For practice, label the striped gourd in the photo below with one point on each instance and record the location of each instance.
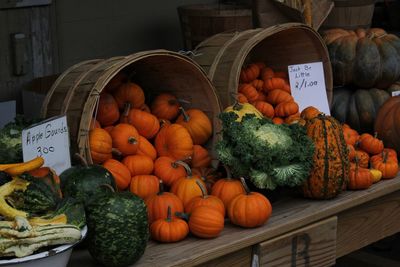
(331, 164)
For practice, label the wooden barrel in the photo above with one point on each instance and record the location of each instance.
(223, 55)
(350, 15)
(76, 92)
(198, 22)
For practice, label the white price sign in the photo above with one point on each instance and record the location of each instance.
(395, 93)
(49, 140)
(307, 83)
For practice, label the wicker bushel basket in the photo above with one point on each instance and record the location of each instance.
(223, 55)
(76, 92)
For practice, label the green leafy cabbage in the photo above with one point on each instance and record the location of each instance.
(269, 155)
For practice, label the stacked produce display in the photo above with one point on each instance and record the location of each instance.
(154, 173)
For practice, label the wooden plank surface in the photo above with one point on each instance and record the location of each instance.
(367, 223)
(288, 214)
(313, 245)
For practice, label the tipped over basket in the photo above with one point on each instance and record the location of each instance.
(223, 55)
(76, 92)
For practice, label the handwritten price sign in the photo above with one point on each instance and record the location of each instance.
(49, 140)
(307, 83)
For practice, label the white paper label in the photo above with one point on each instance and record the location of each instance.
(50, 140)
(395, 93)
(307, 83)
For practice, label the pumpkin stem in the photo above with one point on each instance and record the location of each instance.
(127, 108)
(375, 134)
(182, 215)
(82, 160)
(246, 188)
(228, 172)
(160, 188)
(186, 166)
(184, 114)
(132, 140)
(384, 156)
(163, 123)
(236, 105)
(180, 101)
(169, 216)
(116, 152)
(203, 190)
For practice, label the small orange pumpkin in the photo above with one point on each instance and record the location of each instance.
(205, 200)
(351, 136)
(145, 123)
(169, 170)
(249, 73)
(107, 112)
(144, 185)
(125, 138)
(129, 93)
(241, 98)
(121, 173)
(265, 108)
(309, 112)
(206, 222)
(258, 84)
(370, 144)
(158, 203)
(145, 148)
(249, 209)
(170, 229)
(197, 123)
(275, 83)
(138, 164)
(174, 141)
(388, 166)
(200, 157)
(165, 106)
(100, 144)
(359, 178)
(362, 157)
(249, 91)
(285, 109)
(278, 96)
(266, 74)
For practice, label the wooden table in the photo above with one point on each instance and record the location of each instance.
(300, 232)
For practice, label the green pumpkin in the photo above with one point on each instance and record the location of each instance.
(358, 108)
(82, 182)
(118, 229)
(365, 58)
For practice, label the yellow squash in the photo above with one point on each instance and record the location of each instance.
(241, 109)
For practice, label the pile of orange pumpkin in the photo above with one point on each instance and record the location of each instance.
(151, 148)
(269, 91)
(370, 161)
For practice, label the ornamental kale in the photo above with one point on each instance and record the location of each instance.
(269, 155)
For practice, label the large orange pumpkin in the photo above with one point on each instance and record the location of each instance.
(138, 164)
(249, 209)
(168, 170)
(186, 187)
(125, 138)
(121, 173)
(197, 123)
(100, 144)
(144, 185)
(145, 123)
(107, 112)
(200, 157)
(157, 204)
(205, 200)
(165, 106)
(129, 93)
(174, 141)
